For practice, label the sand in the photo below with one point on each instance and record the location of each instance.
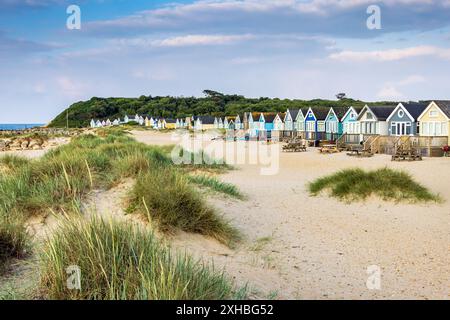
(301, 247)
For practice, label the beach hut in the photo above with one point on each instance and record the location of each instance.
(126, 119)
(220, 123)
(108, 123)
(315, 123)
(170, 123)
(372, 120)
(434, 121)
(116, 122)
(253, 125)
(216, 123)
(333, 123)
(245, 121)
(289, 119)
(299, 121)
(92, 123)
(238, 125)
(350, 124)
(278, 124)
(403, 120)
(225, 123)
(203, 123)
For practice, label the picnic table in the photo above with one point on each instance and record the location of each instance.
(358, 151)
(295, 146)
(329, 148)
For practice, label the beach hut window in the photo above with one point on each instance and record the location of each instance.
(401, 113)
(394, 128)
(438, 128)
(433, 113)
(408, 128)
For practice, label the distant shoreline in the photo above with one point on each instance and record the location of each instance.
(19, 126)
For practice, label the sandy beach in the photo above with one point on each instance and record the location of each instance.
(301, 247)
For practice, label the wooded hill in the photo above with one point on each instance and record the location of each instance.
(214, 103)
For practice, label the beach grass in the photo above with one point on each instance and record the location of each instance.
(118, 261)
(166, 197)
(216, 185)
(388, 184)
(62, 178)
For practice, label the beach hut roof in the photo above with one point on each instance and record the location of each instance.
(340, 111)
(171, 121)
(320, 112)
(294, 113)
(269, 117)
(444, 105)
(382, 112)
(415, 109)
(206, 119)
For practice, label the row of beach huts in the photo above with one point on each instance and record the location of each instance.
(380, 127)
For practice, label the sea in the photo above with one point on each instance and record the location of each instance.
(19, 126)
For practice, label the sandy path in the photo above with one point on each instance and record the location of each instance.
(320, 248)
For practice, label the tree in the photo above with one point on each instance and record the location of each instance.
(341, 96)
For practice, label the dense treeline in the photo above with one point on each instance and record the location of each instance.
(214, 103)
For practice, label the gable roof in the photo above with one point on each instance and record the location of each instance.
(413, 109)
(205, 119)
(269, 117)
(340, 111)
(355, 109)
(381, 112)
(320, 112)
(171, 121)
(293, 113)
(444, 105)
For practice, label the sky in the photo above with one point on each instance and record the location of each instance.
(296, 49)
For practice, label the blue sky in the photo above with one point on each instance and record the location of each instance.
(275, 48)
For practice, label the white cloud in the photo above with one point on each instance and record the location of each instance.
(391, 54)
(336, 16)
(184, 41)
(390, 89)
(389, 92)
(70, 88)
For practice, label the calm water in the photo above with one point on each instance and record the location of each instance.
(19, 126)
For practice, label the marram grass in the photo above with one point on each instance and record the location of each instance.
(166, 197)
(120, 261)
(216, 185)
(357, 184)
(61, 179)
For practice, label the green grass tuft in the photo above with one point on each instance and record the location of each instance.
(216, 185)
(119, 261)
(357, 184)
(166, 196)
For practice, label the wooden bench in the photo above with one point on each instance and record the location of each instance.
(295, 146)
(359, 152)
(329, 148)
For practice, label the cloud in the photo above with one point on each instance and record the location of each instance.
(28, 3)
(343, 18)
(390, 89)
(70, 88)
(389, 92)
(391, 54)
(10, 47)
(184, 41)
